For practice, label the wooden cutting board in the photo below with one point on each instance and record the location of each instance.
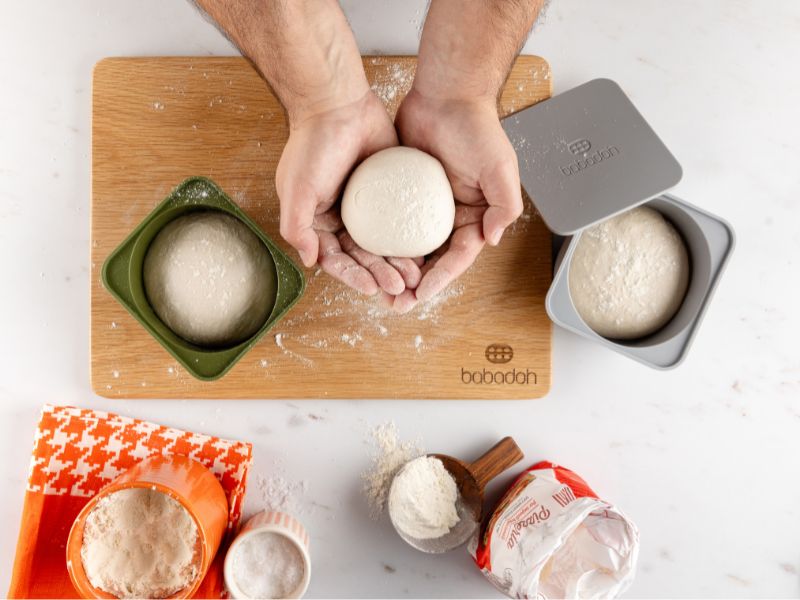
(157, 121)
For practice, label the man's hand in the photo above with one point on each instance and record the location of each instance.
(306, 51)
(466, 51)
(466, 136)
(321, 151)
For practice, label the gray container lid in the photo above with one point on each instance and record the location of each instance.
(588, 154)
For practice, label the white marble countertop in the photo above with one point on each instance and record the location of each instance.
(706, 458)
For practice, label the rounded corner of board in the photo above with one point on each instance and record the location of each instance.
(102, 64)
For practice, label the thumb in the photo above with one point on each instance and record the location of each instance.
(297, 219)
(501, 188)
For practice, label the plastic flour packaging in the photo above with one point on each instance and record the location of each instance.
(552, 537)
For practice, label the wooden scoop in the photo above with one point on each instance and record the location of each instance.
(471, 479)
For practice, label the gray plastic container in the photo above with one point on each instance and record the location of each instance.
(587, 155)
(709, 240)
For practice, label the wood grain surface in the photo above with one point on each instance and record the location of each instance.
(157, 121)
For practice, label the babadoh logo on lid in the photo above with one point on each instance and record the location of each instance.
(581, 147)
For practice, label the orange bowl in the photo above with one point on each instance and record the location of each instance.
(181, 478)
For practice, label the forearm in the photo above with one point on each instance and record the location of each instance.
(303, 48)
(468, 46)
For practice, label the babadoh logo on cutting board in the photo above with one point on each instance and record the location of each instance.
(581, 147)
(498, 354)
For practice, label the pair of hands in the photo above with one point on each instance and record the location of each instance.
(322, 150)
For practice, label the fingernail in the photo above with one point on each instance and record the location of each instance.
(305, 256)
(496, 237)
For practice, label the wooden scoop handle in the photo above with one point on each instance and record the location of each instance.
(498, 458)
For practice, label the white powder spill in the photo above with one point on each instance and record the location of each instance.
(279, 493)
(394, 82)
(359, 320)
(352, 340)
(280, 342)
(418, 343)
(389, 454)
(432, 309)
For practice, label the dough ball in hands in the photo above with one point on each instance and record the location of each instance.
(628, 275)
(210, 279)
(399, 203)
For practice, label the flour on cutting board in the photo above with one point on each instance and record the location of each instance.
(365, 321)
(280, 342)
(394, 82)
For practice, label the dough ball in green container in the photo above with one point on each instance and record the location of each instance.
(210, 279)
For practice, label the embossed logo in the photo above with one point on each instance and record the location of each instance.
(585, 160)
(499, 354)
(581, 146)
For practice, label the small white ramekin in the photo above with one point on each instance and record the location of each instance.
(274, 522)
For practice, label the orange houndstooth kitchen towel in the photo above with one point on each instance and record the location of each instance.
(76, 453)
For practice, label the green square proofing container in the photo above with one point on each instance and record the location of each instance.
(122, 276)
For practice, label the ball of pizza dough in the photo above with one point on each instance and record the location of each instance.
(399, 202)
(628, 275)
(210, 278)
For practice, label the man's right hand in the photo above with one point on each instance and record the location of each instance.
(306, 51)
(321, 152)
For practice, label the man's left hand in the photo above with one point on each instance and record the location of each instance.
(480, 162)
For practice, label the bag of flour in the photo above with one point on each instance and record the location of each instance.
(552, 537)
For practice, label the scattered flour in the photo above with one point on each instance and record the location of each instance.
(356, 320)
(418, 343)
(393, 83)
(279, 341)
(280, 494)
(432, 309)
(390, 455)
